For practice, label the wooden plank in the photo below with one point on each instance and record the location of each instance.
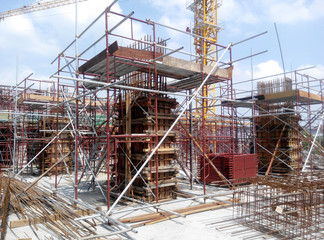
(161, 169)
(118, 51)
(189, 210)
(185, 65)
(275, 151)
(5, 210)
(279, 95)
(128, 172)
(53, 99)
(184, 194)
(292, 94)
(99, 57)
(143, 217)
(163, 150)
(185, 211)
(311, 96)
(53, 217)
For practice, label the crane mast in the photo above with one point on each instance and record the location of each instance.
(205, 25)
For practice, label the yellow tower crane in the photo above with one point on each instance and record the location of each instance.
(36, 6)
(205, 25)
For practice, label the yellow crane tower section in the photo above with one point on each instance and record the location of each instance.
(205, 25)
(37, 6)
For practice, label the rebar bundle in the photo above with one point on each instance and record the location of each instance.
(34, 205)
(291, 206)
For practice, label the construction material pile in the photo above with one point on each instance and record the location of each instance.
(290, 206)
(34, 205)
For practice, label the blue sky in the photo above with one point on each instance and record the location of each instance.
(38, 37)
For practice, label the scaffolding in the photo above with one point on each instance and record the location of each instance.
(137, 82)
(283, 117)
(127, 113)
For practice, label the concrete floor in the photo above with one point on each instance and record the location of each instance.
(213, 224)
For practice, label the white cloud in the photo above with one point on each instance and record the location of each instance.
(240, 74)
(169, 5)
(87, 11)
(46, 31)
(315, 77)
(21, 25)
(294, 11)
(8, 77)
(20, 34)
(235, 13)
(267, 68)
(288, 11)
(38, 37)
(317, 72)
(270, 68)
(243, 86)
(174, 14)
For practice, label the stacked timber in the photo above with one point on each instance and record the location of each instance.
(158, 177)
(286, 149)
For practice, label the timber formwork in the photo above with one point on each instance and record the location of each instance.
(285, 114)
(277, 130)
(289, 207)
(278, 136)
(158, 177)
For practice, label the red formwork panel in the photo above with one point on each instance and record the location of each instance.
(233, 167)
